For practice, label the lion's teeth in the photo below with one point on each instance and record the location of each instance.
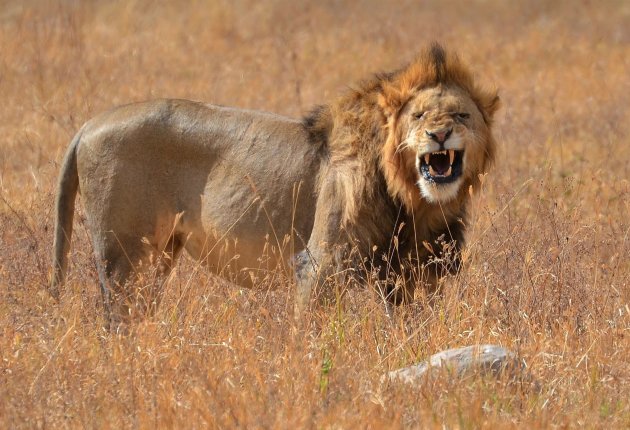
(431, 171)
(448, 172)
(427, 157)
(451, 156)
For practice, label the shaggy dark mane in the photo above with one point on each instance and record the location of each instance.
(318, 123)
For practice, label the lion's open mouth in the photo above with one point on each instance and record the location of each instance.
(442, 167)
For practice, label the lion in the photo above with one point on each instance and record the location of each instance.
(370, 182)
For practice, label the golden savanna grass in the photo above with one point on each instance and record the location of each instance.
(547, 272)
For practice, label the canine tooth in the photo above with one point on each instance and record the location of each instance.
(448, 172)
(431, 171)
(427, 157)
(451, 155)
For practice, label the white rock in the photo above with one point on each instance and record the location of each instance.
(481, 359)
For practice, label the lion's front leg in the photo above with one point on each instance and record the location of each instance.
(319, 275)
(306, 271)
(316, 266)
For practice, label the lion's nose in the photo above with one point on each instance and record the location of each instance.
(440, 136)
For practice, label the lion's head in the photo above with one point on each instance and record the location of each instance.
(438, 123)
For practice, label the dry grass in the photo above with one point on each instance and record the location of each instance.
(548, 272)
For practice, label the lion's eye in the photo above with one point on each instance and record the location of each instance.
(418, 115)
(461, 116)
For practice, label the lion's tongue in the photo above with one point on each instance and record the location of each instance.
(440, 163)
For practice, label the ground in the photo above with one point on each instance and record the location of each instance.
(547, 271)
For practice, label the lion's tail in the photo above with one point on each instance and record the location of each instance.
(67, 187)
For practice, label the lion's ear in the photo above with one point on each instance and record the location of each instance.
(491, 104)
(391, 99)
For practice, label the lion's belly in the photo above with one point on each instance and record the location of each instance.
(252, 223)
(252, 213)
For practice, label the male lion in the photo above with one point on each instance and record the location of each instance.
(374, 179)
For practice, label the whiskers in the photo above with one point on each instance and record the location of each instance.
(476, 138)
(405, 144)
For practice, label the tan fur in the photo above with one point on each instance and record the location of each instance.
(159, 177)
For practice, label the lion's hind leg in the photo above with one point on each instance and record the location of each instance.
(132, 273)
(117, 265)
